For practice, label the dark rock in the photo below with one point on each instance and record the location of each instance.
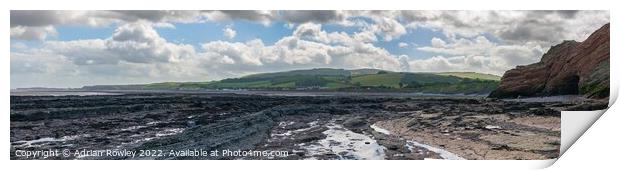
(355, 123)
(544, 112)
(589, 105)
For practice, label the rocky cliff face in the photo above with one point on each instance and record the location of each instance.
(567, 68)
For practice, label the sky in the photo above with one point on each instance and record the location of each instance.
(78, 48)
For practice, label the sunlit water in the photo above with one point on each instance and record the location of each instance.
(347, 144)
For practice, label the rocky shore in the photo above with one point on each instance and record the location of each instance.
(306, 127)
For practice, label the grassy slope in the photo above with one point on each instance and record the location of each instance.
(387, 80)
(471, 75)
(334, 79)
(419, 82)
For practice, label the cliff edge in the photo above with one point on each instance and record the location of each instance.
(567, 68)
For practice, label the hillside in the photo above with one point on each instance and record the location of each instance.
(345, 80)
(472, 75)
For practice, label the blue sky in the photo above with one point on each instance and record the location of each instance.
(49, 48)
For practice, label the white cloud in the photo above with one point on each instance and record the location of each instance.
(229, 33)
(365, 36)
(314, 32)
(402, 45)
(477, 54)
(164, 25)
(32, 33)
(437, 43)
(308, 47)
(311, 31)
(389, 28)
(140, 43)
(42, 68)
(480, 64)
(18, 46)
(460, 46)
(134, 43)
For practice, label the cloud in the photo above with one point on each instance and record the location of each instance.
(39, 18)
(477, 54)
(308, 47)
(264, 17)
(480, 41)
(134, 43)
(32, 33)
(140, 43)
(35, 18)
(522, 36)
(389, 28)
(38, 24)
(315, 16)
(135, 53)
(460, 46)
(386, 26)
(164, 25)
(404, 63)
(43, 68)
(155, 16)
(23, 63)
(311, 31)
(481, 64)
(402, 45)
(229, 33)
(314, 32)
(365, 36)
(546, 27)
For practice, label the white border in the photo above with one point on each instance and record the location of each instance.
(594, 149)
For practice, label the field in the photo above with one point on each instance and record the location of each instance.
(339, 79)
(472, 75)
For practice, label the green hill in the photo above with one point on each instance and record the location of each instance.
(472, 75)
(343, 80)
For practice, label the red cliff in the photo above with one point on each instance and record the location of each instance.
(567, 68)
